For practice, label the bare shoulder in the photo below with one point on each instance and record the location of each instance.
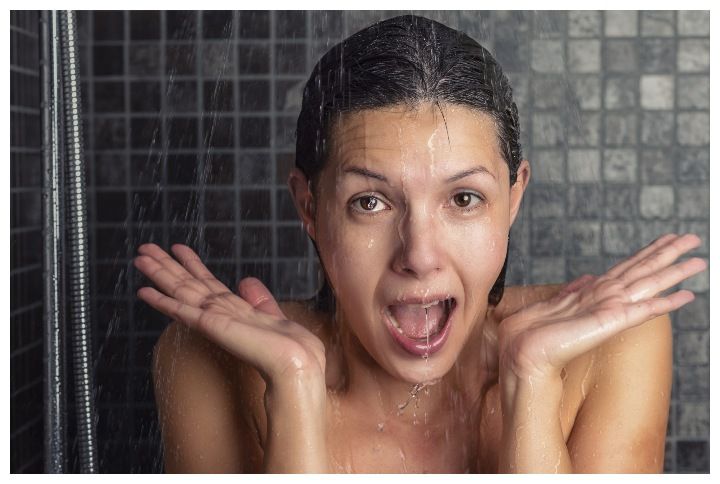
(205, 392)
(635, 356)
(629, 399)
(204, 398)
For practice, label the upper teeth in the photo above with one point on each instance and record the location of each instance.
(430, 304)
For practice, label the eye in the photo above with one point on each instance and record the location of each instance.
(368, 204)
(464, 200)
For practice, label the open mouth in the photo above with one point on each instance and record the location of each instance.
(420, 329)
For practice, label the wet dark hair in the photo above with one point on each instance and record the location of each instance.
(406, 60)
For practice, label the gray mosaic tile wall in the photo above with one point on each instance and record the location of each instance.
(189, 132)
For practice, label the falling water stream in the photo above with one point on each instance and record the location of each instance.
(155, 168)
(192, 222)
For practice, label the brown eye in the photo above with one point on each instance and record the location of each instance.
(465, 200)
(368, 203)
(462, 199)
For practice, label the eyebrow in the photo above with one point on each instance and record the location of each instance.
(365, 172)
(371, 174)
(471, 171)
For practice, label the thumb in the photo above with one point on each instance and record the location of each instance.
(259, 297)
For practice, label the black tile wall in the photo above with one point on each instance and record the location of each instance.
(254, 25)
(180, 24)
(26, 278)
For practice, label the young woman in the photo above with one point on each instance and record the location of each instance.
(413, 357)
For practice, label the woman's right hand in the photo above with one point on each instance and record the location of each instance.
(250, 325)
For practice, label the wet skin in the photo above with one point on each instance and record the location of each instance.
(541, 368)
(437, 223)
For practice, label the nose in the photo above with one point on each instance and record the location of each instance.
(419, 252)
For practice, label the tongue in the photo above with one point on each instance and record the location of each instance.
(415, 322)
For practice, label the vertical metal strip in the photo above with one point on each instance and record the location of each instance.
(77, 245)
(54, 324)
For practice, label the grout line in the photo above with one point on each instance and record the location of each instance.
(129, 388)
(28, 464)
(28, 425)
(28, 268)
(309, 286)
(273, 157)
(202, 148)
(601, 135)
(36, 381)
(26, 309)
(237, 158)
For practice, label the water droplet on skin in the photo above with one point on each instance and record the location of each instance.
(402, 458)
(296, 362)
(427, 339)
(380, 427)
(585, 377)
(532, 394)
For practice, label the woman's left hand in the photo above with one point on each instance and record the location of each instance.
(540, 340)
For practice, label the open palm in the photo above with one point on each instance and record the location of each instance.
(541, 339)
(249, 325)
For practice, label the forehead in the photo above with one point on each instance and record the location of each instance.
(439, 135)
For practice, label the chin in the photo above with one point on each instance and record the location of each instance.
(423, 371)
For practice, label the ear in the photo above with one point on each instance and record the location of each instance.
(303, 200)
(518, 189)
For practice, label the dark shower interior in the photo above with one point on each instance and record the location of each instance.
(189, 120)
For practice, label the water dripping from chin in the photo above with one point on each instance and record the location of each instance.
(414, 395)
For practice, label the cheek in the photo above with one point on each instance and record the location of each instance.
(482, 248)
(478, 250)
(353, 255)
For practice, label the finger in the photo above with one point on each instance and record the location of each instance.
(164, 259)
(191, 261)
(660, 259)
(655, 283)
(648, 309)
(248, 342)
(577, 284)
(259, 297)
(658, 243)
(174, 308)
(188, 291)
(590, 332)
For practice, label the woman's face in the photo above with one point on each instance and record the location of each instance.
(413, 208)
